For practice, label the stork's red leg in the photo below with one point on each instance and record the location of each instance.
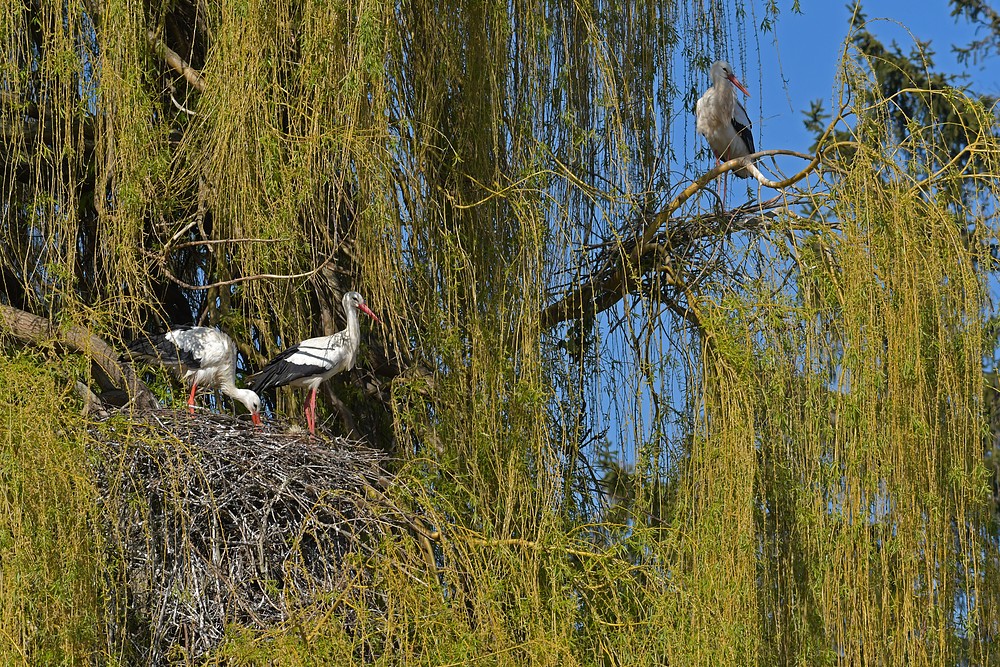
(717, 163)
(312, 410)
(194, 388)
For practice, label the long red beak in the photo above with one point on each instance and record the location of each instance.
(368, 312)
(256, 418)
(736, 82)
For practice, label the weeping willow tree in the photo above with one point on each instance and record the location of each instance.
(648, 429)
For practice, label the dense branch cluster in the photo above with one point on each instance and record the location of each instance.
(215, 522)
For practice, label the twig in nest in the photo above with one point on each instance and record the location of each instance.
(214, 522)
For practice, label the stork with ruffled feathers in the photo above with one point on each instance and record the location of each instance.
(206, 357)
(723, 121)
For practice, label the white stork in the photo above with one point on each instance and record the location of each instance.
(722, 119)
(206, 357)
(315, 360)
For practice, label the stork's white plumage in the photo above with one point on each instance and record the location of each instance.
(206, 357)
(722, 119)
(315, 360)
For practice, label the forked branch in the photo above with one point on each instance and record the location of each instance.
(604, 287)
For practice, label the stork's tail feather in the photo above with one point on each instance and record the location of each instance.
(157, 347)
(275, 374)
(265, 379)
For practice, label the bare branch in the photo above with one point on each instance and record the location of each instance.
(192, 76)
(235, 281)
(603, 288)
(181, 107)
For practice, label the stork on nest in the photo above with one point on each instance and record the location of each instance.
(213, 521)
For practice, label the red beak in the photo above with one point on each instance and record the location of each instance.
(256, 418)
(736, 82)
(368, 312)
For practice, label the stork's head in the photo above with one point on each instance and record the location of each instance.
(251, 400)
(721, 70)
(355, 300)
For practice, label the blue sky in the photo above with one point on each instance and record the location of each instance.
(805, 49)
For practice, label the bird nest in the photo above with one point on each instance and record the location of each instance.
(212, 521)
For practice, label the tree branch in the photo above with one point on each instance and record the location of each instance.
(192, 76)
(36, 330)
(162, 262)
(603, 288)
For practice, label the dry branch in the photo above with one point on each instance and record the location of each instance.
(161, 261)
(110, 374)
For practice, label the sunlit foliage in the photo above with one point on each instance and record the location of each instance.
(645, 430)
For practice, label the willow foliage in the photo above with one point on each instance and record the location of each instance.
(646, 431)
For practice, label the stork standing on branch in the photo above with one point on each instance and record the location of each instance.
(723, 121)
(315, 360)
(205, 356)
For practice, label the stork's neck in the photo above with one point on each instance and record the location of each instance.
(353, 327)
(726, 92)
(245, 396)
(227, 385)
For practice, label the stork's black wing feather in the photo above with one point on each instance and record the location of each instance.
(742, 125)
(162, 348)
(283, 369)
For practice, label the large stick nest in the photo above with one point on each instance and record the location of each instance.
(214, 521)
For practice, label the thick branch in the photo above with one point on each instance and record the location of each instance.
(36, 330)
(192, 76)
(748, 164)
